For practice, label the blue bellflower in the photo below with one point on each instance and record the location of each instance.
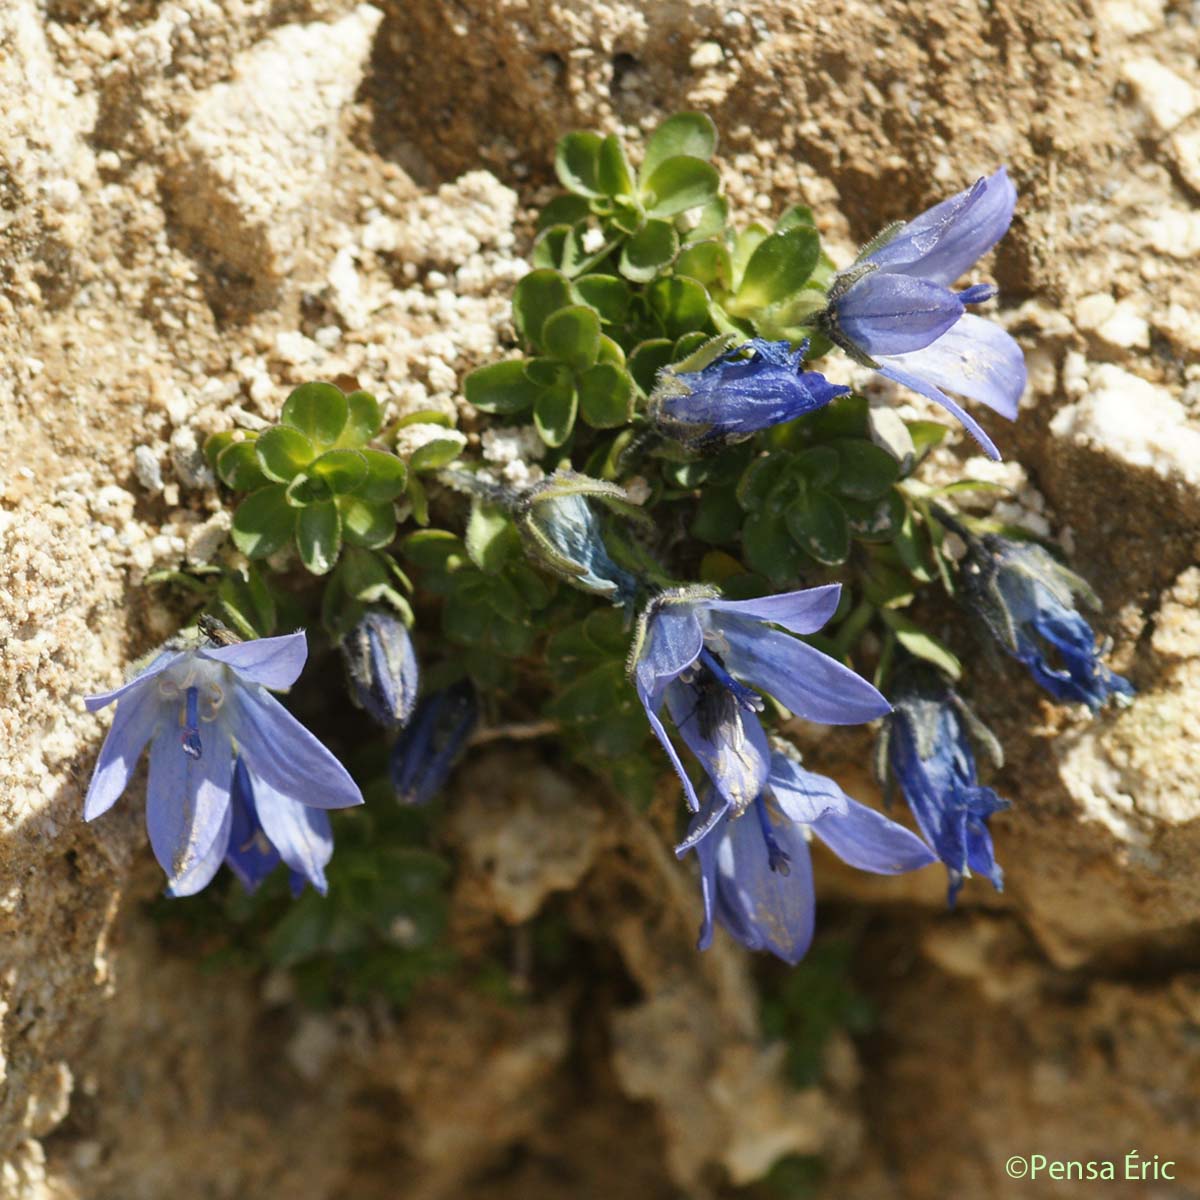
(737, 395)
(425, 753)
(755, 869)
(893, 310)
(382, 667)
(197, 707)
(1027, 600)
(697, 653)
(929, 751)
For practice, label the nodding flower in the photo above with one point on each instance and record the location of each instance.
(198, 707)
(893, 309)
(702, 656)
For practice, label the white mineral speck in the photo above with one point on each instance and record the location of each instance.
(147, 469)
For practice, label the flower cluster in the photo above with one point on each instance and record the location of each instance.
(705, 539)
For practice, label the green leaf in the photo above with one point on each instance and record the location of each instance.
(572, 335)
(610, 352)
(778, 268)
(367, 523)
(819, 465)
(714, 216)
(283, 452)
(745, 245)
(386, 476)
(612, 168)
(679, 183)
(647, 359)
(491, 537)
(649, 251)
(504, 599)
(865, 471)
(363, 420)
(554, 414)
(319, 536)
(215, 443)
(607, 294)
(606, 396)
(680, 303)
(536, 297)
(707, 262)
(875, 520)
(718, 516)
(818, 523)
(238, 466)
(926, 435)
(502, 388)
(921, 644)
(317, 410)
(761, 477)
(577, 163)
(425, 416)
(436, 454)
(691, 134)
(246, 600)
(798, 214)
(435, 550)
(770, 549)
(263, 522)
(342, 471)
(563, 210)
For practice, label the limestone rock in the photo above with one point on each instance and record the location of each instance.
(256, 149)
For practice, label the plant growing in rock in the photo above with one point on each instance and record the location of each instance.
(705, 533)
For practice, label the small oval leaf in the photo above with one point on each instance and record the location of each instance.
(264, 522)
(318, 410)
(283, 452)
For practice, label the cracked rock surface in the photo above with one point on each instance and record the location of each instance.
(205, 202)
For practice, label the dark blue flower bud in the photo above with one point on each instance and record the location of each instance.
(382, 667)
(1027, 599)
(722, 395)
(925, 742)
(426, 751)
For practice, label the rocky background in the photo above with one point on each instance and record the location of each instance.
(204, 202)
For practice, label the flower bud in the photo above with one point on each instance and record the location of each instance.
(382, 667)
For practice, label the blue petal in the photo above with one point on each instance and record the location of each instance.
(802, 679)
(702, 837)
(250, 856)
(804, 611)
(866, 839)
(652, 702)
(302, 835)
(284, 756)
(133, 726)
(947, 239)
(274, 662)
(187, 808)
(895, 314)
(674, 639)
(804, 796)
(736, 759)
(200, 874)
(959, 413)
(156, 667)
(762, 908)
(976, 359)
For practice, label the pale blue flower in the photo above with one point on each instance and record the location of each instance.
(697, 653)
(893, 309)
(755, 868)
(197, 707)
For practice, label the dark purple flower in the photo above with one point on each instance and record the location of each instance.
(929, 751)
(739, 394)
(382, 667)
(425, 753)
(893, 310)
